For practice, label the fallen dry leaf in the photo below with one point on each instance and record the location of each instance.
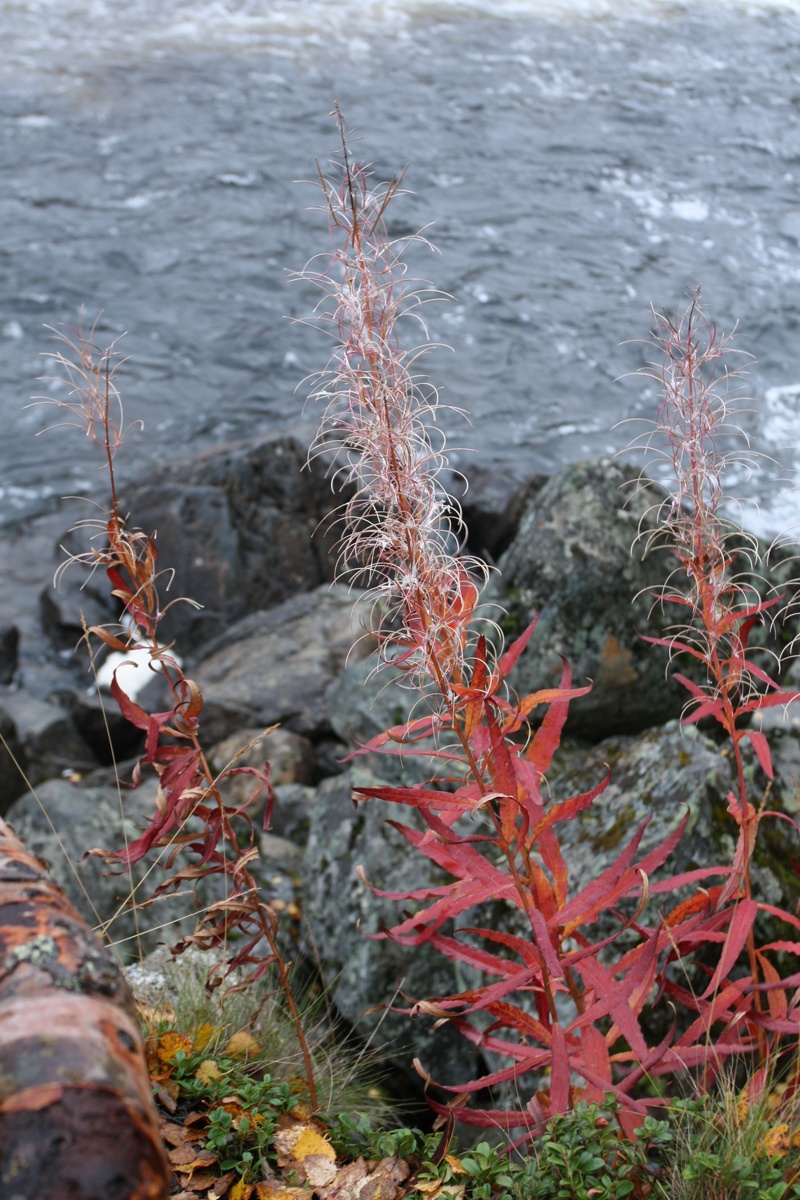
(295, 1141)
(275, 1191)
(434, 1189)
(221, 1185)
(167, 1093)
(347, 1182)
(172, 1133)
(317, 1170)
(201, 1182)
(241, 1190)
(384, 1182)
(188, 1158)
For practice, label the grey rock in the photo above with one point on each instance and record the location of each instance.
(66, 819)
(571, 563)
(290, 757)
(660, 776)
(291, 813)
(13, 761)
(9, 653)
(243, 528)
(665, 774)
(49, 737)
(364, 972)
(273, 667)
(364, 701)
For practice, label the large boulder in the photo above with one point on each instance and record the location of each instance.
(660, 776)
(65, 819)
(61, 822)
(365, 973)
(274, 666)
(572, 562)
(242, 527)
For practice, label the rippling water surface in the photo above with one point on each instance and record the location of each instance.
(575, 160)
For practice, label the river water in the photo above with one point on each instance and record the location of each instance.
(574, 161)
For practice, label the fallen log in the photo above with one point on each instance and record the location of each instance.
(76, 1115)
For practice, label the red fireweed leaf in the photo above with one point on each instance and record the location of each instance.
(131, 712)
(486, 1040)
(526, 949)
(788, 917)
(481, 999)
(745, 844)
(402, 735)
(686, 878)
(776, 995)
(596, 895)
(460, 860)
(487, 1118)
(544, 943)
(477, 684)
(770, 701)
(615, 999)
(656, 857)
(416, 795)
(594, 1058)
(699, 902)
(525, 706)
(473, 956)
(740, 927)
(567, 810)
(547, 738)
(512, 654)
(501, 770)
(725, 1004)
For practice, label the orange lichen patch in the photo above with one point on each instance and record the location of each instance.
(775, 1141)
(202, 1036)
(170, 1044)
(240, 1046)
(616, 664)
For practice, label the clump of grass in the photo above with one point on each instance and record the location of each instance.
(736, 1143)
(226, 1066)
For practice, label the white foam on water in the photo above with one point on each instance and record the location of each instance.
(778, 513)
(690, 209)
(75, 32)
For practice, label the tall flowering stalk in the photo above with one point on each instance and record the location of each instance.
(714, 582)
(221, 841)
(399, 528)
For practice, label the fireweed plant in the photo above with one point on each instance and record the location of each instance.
(220, 840)
(560, 1004)
(717, 602)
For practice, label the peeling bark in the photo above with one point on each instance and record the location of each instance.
(76, 1116)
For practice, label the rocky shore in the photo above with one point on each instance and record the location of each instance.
(248, 533)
